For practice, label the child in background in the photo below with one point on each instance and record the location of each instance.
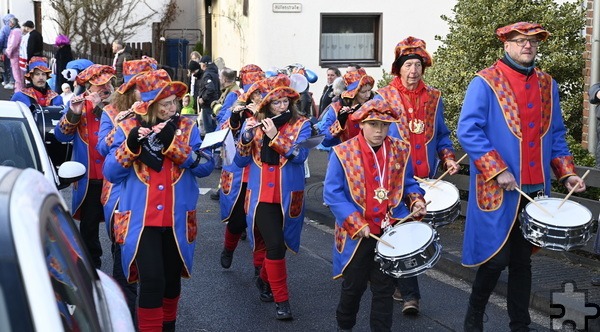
(188, 105)
(66, 94)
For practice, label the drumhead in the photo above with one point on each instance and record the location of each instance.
(406, 238)
(442, 196)
(569, 215)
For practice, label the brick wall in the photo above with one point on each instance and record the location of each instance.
(587, 55)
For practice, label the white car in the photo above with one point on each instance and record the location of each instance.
(22, 145)
(47, 281)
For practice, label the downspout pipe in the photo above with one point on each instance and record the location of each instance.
(594, 75)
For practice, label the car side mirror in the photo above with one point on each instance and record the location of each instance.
(69, 172)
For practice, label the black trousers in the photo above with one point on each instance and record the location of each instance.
(359, 272)
(237, 221)
(269, 220)
(409, 288)
(91, 215)
(159, 266)
(516, 255)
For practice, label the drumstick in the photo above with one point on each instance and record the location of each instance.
(533, 201)
(572, 190)
(381, 240)
(448, 170)
(410, 215)
(424, 181)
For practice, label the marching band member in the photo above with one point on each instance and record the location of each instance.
(38, 92)
(368, 185)
(233, 194)
(81, 124)
(422, 124)
(511, 126)
(117, 111)
(155, 156)
(336, 124)
(275, 204)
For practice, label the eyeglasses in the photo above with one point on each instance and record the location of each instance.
(167, 103)
(523, 41)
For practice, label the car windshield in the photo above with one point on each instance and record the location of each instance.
(17, 145)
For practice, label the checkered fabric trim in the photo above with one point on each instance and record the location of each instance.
(110, 137)
(226, 181)
(446, 154)
(545, 82)
(67, 127)
(490, 164)
(392, 96)
(505, 96)
(563, 167)
(336, 129)
(354, 223)
(340, 238)
(397, 166)
(350, 157)
(106, 187)
(489, 194)
(296, 203)
(29, 92)
(124, 156)
(112, 111)
(285, 140)
(433, 96)
(411, 199)
(179, 150)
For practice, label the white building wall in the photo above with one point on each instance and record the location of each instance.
(271, 39)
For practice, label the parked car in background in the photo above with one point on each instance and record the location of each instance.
(47, 280)
(22, 144)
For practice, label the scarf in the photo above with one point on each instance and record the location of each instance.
(267, 154)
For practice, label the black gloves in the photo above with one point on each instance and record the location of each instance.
(167, 134)
(132, 140)
(342, 117)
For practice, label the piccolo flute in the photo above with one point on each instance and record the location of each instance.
(165, 122)
(273, 118)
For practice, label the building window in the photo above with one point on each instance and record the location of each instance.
(350, 38)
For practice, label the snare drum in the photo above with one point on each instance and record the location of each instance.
(416, 249)
(569, 227)
(445, 202)
(47, 117)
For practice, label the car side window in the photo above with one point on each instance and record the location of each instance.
(72, 276)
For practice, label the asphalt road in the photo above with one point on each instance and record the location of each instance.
(217, 299)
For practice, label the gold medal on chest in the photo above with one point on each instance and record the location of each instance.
(416, 126)
(381, 194)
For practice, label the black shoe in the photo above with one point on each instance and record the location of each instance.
(339, 329)
(474, 320)
(226, 258)
(283, 311)
(265, 290)
(244, 235)
(216, 195)
(168, 326)
(596, 281)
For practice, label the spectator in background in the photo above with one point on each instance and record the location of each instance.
(67, 92)
(62, 56)
(35, 42)
(209, 90)
(12, 52)
(332, 74)
(122, 54)
(195, 56)
(23, 50)
(7, 74)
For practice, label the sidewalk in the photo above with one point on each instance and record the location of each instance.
(550, 270)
